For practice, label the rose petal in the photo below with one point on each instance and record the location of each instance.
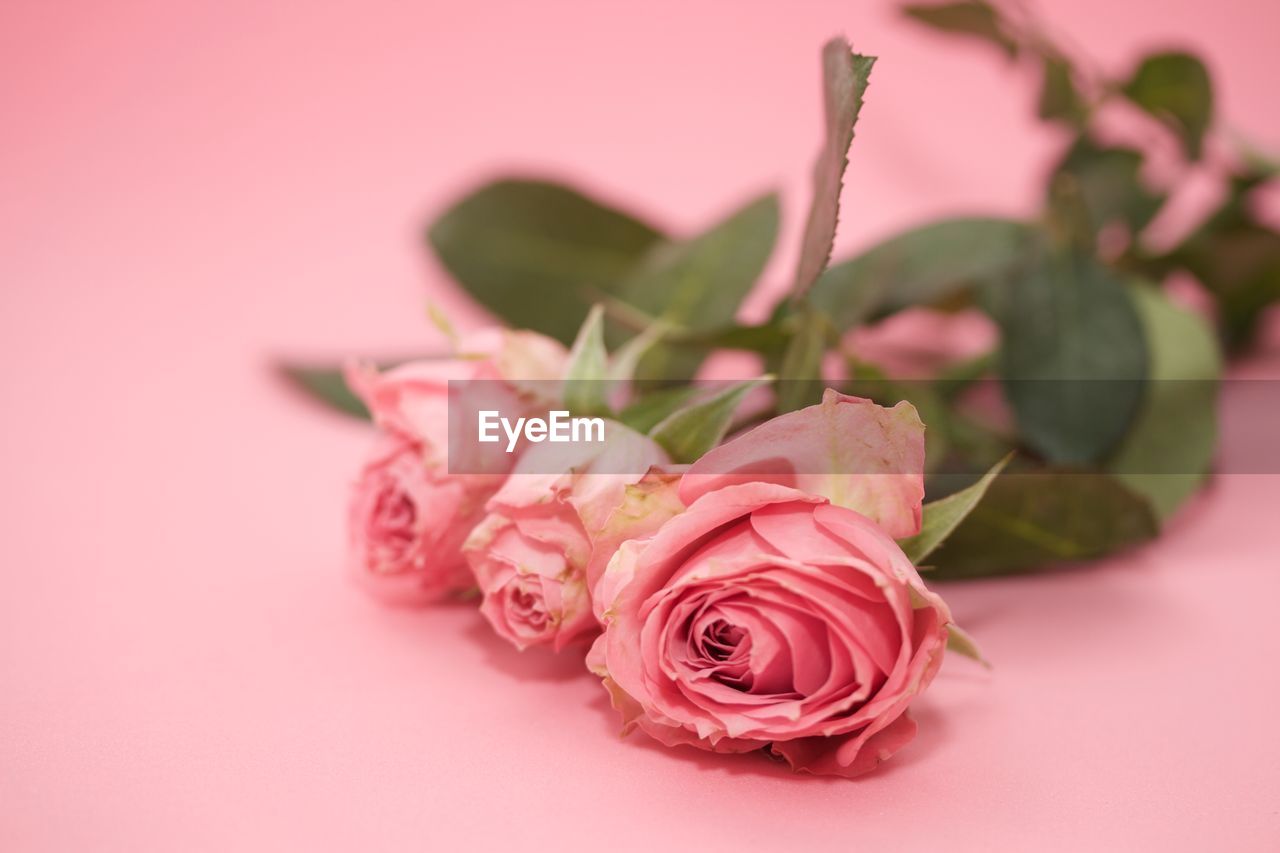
(851, 755)
(851, 451)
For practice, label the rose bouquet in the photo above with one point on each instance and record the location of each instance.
(762, 597)
(741, 562)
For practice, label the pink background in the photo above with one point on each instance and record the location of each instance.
(187, 190)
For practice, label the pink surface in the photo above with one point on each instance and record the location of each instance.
(188, 190)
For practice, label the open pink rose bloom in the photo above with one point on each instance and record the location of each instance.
(766, 617)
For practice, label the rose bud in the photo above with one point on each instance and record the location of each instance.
(558, 511)
(511, 371)
(407, 523)
(410, 515)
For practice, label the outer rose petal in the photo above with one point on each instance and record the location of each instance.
(850, 755)
(412, 400)
(851, 451)
(700, 518)
(620, 572)
(644, 507)
(591, 476)
(633, 715)
(523, 356)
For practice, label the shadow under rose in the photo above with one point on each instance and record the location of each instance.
(534, 664)
(933, 733)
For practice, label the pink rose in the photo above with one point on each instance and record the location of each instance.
(766, 618)
(407, 524)
(410, 515)
(412, 400)
(777, 612)
(560, 509)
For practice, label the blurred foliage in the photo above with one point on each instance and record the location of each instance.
(973, 19)
(530, 251)
(325, 385)
(1084, 325)
(695, 285)
(1176, 429)
(1036, 518)
(1175, 89)
(1232, 254)
(1073, 356)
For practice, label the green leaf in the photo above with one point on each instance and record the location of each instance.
(1256, 165)
(532, 252)
(800, 374)
(958, 376)
(1167, 452)
(844, 83)
(625, 360)
(971, 18)
(698, 284)
(325, 385)
(941, 517)
(959, 641)
(972, 443)
(1030, 520)
(690, 432)
(1073, 357)
(1109, 183)
(766, 338)
(1241, 267)
(1237, 259)
(645, 413)
(923, 266)
(1059, 98)
(585, 388)
(1174, 87)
